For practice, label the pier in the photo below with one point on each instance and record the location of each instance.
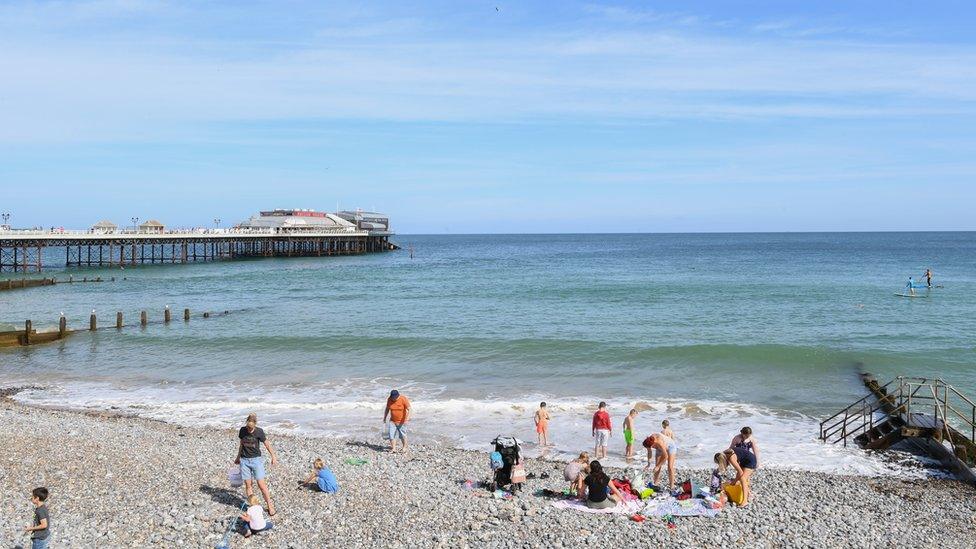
(105, 246)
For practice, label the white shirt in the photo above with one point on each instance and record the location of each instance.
(256, 514)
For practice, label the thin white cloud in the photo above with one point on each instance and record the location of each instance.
(69, 87)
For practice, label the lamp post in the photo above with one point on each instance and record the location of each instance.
(216, 222)
(6, 218)
(135, 224)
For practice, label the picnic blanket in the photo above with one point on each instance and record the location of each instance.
(693, 507)
(625, 508)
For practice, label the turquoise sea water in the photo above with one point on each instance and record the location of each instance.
(713, 330)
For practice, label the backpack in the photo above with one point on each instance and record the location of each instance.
(496, 460)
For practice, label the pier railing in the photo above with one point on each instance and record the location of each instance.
(57, 233)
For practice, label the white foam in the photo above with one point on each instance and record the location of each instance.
(355, 408)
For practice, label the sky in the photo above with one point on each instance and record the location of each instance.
(493, 117)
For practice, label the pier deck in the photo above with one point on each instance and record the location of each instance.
(24, 251)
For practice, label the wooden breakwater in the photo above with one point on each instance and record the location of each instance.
(30, 336)
(20, 283)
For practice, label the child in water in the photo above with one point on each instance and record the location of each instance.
(323, 477)
(666, 430)
(629, 433)
(542, 424)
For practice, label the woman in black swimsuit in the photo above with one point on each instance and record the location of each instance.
(745, 440)
(744, 463)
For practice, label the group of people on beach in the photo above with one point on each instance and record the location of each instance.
(589, 481)
(252, 464)
(252, 470)
(587, 477)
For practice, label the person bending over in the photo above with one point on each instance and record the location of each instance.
(666, 452)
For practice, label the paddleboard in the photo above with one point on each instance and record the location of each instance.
(910, 295)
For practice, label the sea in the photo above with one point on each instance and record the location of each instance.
(712, 332)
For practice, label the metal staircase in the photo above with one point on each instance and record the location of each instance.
(909, 408)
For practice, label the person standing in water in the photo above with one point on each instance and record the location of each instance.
(666, 430)
(629, 433)
(542, 424)
(602, 429)
(398, 410)
(745, 440)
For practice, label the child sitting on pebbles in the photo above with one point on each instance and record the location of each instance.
(323, 477)
(253, 519)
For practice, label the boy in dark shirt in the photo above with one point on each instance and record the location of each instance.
(40, 530)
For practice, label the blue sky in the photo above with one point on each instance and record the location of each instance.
(469, 117)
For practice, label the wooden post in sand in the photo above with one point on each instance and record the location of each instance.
(166, 315)
(92, 323)
(143, 318)
(186, 315)
(118, 320)
(27, 332)
(62, 327)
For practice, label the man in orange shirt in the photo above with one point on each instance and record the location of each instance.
(398, 410)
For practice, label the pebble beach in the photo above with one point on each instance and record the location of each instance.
(119, 481)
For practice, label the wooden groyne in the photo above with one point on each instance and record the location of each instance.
(17, 284)
(30, 336)
(24, 251)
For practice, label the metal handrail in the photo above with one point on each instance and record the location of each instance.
(845, 410)
(858, 417)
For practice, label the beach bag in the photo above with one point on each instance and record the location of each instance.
(496, 461)
(635, 476)
(690, 487)
(735, 493)
(386, 431)
(234, 476)
(518, 473)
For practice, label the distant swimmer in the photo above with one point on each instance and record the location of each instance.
(928, 277)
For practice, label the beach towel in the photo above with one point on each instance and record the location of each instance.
(686, 508)
(626, 508)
